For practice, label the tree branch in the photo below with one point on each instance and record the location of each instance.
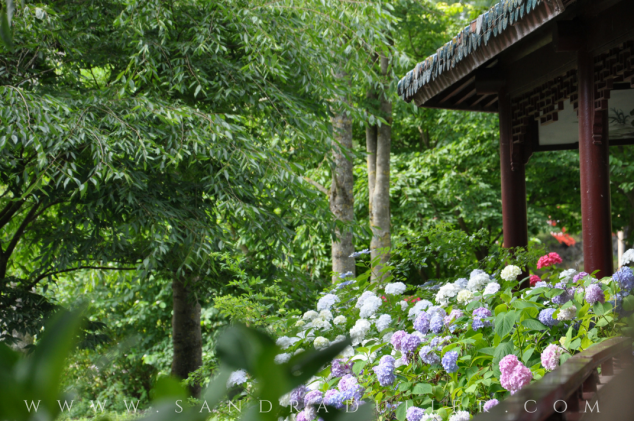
(44, 275)
(317, 185)
(18, 233)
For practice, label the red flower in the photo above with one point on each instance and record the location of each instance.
(383, 298)
(534, 279)
(548, 260)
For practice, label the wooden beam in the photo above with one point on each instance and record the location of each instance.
(479, 100)
(458, 90)
(490, 103)
(466, 96)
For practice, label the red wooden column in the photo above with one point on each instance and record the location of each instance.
(514, 220)
(595, 175)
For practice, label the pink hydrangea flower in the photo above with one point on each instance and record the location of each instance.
(534, 279)
(550, 357)
(550, 259)
(515, 375)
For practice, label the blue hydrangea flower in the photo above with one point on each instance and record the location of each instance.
(297, 397)
(333, 397)
(340, 368)
(385, 370)
(546, 317)
(421, 323)
(428, 356)
(625, 278)
(415, 413)
(410, 343)
(437, 323)
(449, 362)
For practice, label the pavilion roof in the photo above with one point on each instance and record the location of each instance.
(503, 25)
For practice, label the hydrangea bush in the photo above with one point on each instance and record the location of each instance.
(447, 352)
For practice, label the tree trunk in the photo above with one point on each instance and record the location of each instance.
(341, 195)
(380, 187)
(186, 333)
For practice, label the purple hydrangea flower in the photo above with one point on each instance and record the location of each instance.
(428, 356)
(421, 323)
(297, 397)
(594, 294)
(308, 414)
(333, 397)
(579, 276)
(625, 278)
(488, 405)
(340, 368)
(314, 397)
(350, 388)
(437, 323)
(565, 296)
(385, 370)
(482, 312)
(449, 362)
(410, 343)
(397, 338)
(415, 413)
(546, 317)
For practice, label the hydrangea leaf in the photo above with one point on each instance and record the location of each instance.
(422, 389)
(533, 324)
(504, 349)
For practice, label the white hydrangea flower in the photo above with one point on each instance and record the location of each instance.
(404, 305)
(327, 301)
(567, 275)
(436, 310)
(340, 320)
(285, 400)
(628, 257)
(510, 273)
(401, 362)
(540, 284)
(491, 288)
(431, 417)
(339, 338)
(478, 280)
(282, 358)
(465, 296)
(460, 416)
(236, 378)
(284, 342)
(363, 297)
(300, 323)
(359, 330)
(567, 313)
(370, 307)
(396, 288)
(310, 315)
(299, 351)
(383, 322)
(446, 292)
(461, 283)
(418, 308)
(320, 323)
(325, 314)
(320, 342)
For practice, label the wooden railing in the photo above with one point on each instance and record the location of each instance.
(570, 391)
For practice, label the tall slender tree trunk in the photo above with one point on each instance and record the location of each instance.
(378, 145)
(341, 194)
(186, 332)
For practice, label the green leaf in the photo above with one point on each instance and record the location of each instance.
(526, 356)
(401, 411)
(533, 324)
(502, 350)
(422, 389)
(628, 303)
(487, 351)
(404, 386)
(358, 366)
(598, 309)
(504, 323)
(501, 308)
